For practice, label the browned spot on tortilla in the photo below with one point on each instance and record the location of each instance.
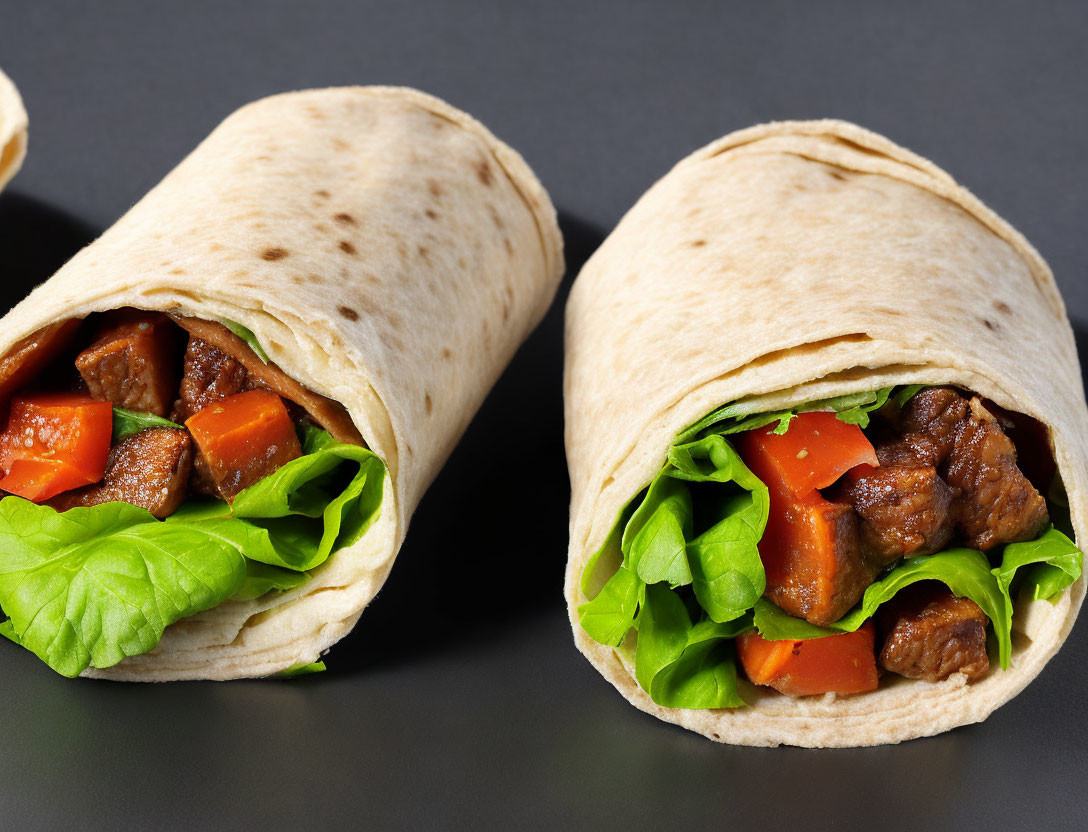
(424, 252)
(509, 246)
(437, 123)
(177, 271)
(340, 144)
(446, 352)
(483, 172)
(346, 219)
(1002, 307)
(495, 218)
(697, 243)
(165, 263)
(315, 113)
(299, 279)
(989, 324)
(264, 158)
(505, 312)
(348, 313)
(347, 247)
(321, 228)
(427, 405)
(323, 194)
(461, 263)
(799, 186)
(434, 188)
(834, 174)
(431, 213)
(274, 253)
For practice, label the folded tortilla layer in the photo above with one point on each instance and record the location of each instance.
(388, 252)
(13, 126)
(786, 263)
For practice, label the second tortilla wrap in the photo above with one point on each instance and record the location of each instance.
(389, 253)
(788, 263)
(13, 125)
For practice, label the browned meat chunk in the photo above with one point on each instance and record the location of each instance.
(132, 362)
(149, 469)
(930, 422)
(331, 415)
(953, 465)
(208, 375)
(905, 509)
(931, 634)
(997, 504)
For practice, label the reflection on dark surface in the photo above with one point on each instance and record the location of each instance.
(36, 239)
(489, 540)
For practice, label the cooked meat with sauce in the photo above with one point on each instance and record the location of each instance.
(819, 586)
(905, 509)
(997, 503)
(132, 362)
(951, 473)
(208, 374)
(931, 634)
(149, 469)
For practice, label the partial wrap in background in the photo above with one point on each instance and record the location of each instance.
(787, 263)
(389, 253)
(12, 130)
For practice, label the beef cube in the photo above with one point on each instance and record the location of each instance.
(931, 634)
(131, 362)
(996, 503)
(209, 374)
(905, 509)
(930, 422)
(149, 469)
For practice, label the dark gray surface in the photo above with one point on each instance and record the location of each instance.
(457, 702)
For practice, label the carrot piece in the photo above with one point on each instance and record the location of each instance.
(54, 442)
(32, 354)
(816, 450)
(810, 548)
(243, 438)
(844, 663)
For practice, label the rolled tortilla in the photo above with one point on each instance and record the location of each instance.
(388, 252)
(13, 125)
(787, 263)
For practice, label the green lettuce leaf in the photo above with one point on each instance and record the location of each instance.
(609, 616)
(262, 579)
(853, 408)
(247, 336)
(128, 422)
(305, 510)
(655, 540)
(1053, 562)
(681, 665)
(964, 571)
(301, 670)
(90, 586)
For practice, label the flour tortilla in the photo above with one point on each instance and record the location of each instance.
(787, 263)
(389, 253)
(12, 130)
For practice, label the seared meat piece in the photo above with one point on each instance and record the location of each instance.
(997, 504)
(815, 570)
(131, 362)
(149, 469)
(209, 374)
(931, 634)
(930, 422)
(905, 509)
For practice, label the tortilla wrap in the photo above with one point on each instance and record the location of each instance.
(787, 263)
(388, 252)
(12, 130)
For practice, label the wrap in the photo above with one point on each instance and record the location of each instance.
(787, 263)
(387, 252)
(12, 130)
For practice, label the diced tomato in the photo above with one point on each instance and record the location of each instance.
(844, 663)
(817, 449)
(809, 549)
(54, 442)
(244, 438)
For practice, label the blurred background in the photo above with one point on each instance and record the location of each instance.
(459, 700)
